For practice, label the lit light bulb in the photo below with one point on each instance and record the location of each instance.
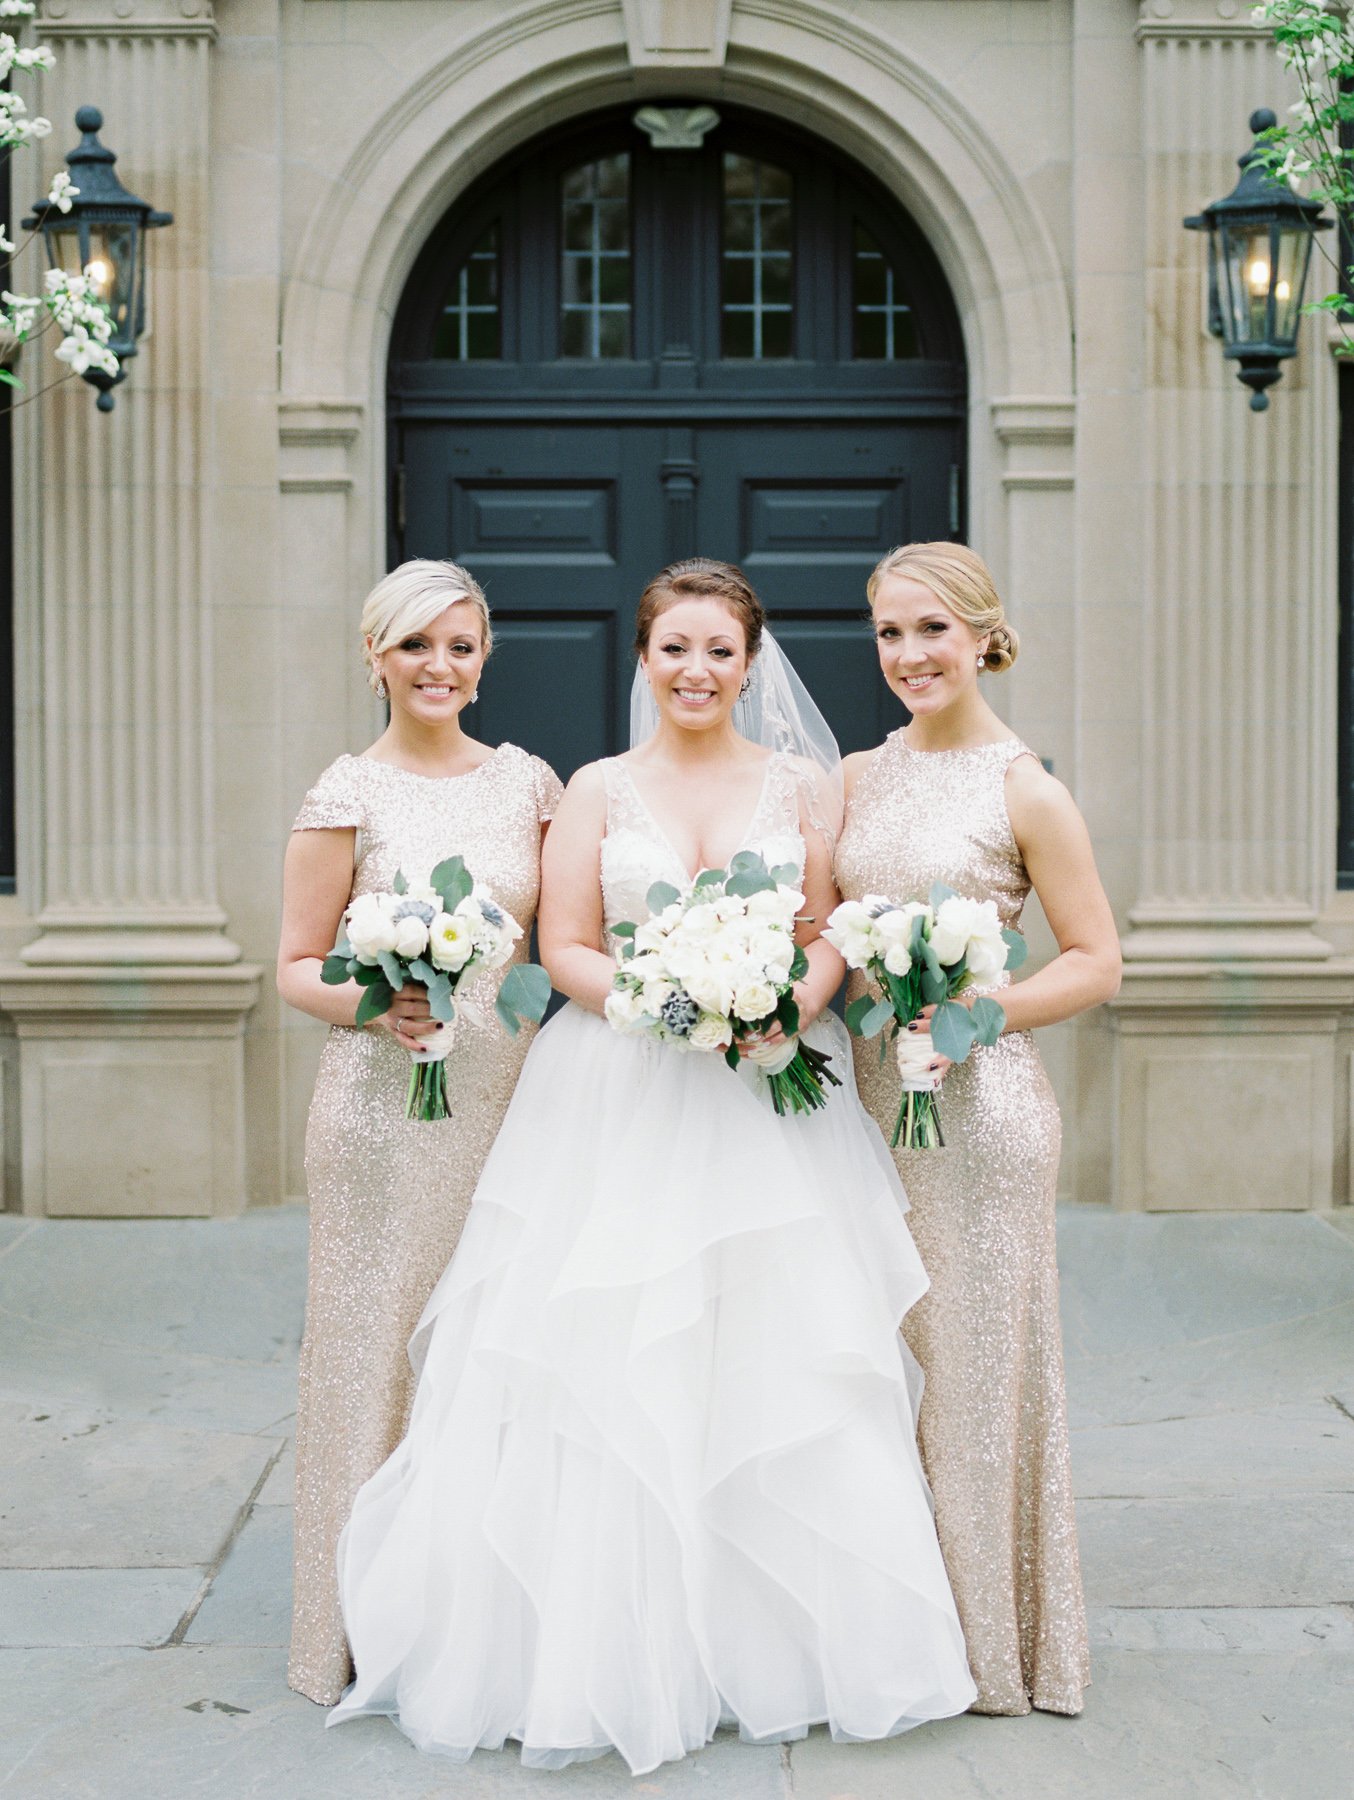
(1258, 276)
(1282, 291)
(98, 273)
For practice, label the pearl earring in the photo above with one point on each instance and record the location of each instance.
(982, 662)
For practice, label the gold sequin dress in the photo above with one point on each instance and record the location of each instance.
(389, 1195)
(993, 1426)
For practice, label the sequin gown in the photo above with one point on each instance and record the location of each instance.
(389, 1195)
(993, 1424)
(662, 1466)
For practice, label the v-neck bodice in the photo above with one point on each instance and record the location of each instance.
(637, 850)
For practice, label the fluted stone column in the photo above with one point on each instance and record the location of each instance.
(1226, 1080)
(129, 1002)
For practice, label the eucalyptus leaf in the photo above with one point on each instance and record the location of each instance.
(400, 885)
(857, 1011)
(525, 992)
(422, 970)
(452, 881)
(939, 894)
(749, 881)
(626, 929)
(788, 1014)
(785, 875)
(661, 894)
(334, 970)
(916, 936)
(440, 1002)
(989, 1019)
(390, 968)
(747, 859)
(934, 986)
(368, 974)
(952, 1030)
(710, 878)
(1016, 948)
(375, 1000)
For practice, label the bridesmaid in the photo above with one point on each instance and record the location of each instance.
(953, 797)
(388, 1195)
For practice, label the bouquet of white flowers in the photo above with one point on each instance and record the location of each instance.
(918, 955)
(438, 933)
(713, 965)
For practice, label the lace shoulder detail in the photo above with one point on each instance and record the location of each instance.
(800, 795)
(625, 810)
(335, 801)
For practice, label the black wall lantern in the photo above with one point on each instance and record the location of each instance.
(1259, 247)
(103, 233)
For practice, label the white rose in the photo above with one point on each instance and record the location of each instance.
(957, 920)
(370, 926)
(655, 993)
(709, 990)
(893, 926)
(896, 959)
(754, 1001)
(450, 942)
(671, 915)
(650, 936)
(682, 961)
(784, 903)
(986, 958)
(711, 1032)
(625, 1010)
(701, 921)
(411, 937)
(645, 967)
(776, 949)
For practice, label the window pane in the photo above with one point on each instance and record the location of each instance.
(468, 324)
(884, 325)
(595, 270)
(757, 272)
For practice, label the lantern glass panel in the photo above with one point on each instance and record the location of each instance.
(63, 247)
(1248, 263)
(112, 264)
(1295, 249)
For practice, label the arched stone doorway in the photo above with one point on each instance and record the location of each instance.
(619, 347)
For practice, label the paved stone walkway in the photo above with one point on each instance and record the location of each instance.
(146, 1392)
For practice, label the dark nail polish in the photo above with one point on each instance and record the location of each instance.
(913, 1026)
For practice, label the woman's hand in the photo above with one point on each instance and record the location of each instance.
(409, 1019)
(940, 1065)
(775, 1034)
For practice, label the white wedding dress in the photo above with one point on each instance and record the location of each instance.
(661, 1470)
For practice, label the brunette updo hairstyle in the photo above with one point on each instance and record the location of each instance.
(962, 581)
(700, 578)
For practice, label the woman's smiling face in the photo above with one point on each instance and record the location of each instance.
(928, 655)
(696, 662)
(432, 673)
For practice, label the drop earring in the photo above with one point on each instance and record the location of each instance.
(475, 696)
(982, 662)
(382, 691)
(747, 683)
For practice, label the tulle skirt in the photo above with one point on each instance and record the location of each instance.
(661, 1472)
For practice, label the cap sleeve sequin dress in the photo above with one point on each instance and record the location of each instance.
(389, 1195)
(993, 1425)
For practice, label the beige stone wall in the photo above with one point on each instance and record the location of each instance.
(1049, 148)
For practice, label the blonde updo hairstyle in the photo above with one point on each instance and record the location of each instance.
(700, 578)
(961, 581)
(409, 599)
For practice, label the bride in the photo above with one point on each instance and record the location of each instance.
(661, 1470)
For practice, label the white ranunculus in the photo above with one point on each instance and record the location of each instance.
(776, 949)
(411, 937)
(650, 936)
(711, 1032)
(370, 926)
(655, 993)
(709, 990)
(849, 916)
(671, 915)
(893, 926)
(896, 958)
(625, 1010)
(755, 1000)
(682, 960)
(700, 921)
(451, 943)
(957, 920)
(783, 903)
(646, 967)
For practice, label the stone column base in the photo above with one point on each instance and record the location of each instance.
(131, 1088)
(1227, 1093)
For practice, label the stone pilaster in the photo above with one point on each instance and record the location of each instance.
(131, 994)
(1229, 996)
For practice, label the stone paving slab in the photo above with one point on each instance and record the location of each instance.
(198, 1723)
(69, 1608)
(1287, 1449)
(250, 1598)
(91, 1492)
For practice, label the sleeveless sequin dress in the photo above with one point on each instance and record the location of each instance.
(662, 1467)
(993, 1426)
(389, 1195)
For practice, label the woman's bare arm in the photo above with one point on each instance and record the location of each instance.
(570, 923)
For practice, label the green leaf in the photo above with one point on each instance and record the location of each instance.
(745, 861)
(732, 1057)
(788, 1013)
(422, 970)
(989, 1019)
(878, 1017)
(799, 964)
(934, 987)
(710, 878)
(440, 1002)
(400, 885)
(8, 380)
(368, 974)
(785, 875)
(390, 968)
(939, 893)
(452, 881)
(1016, 948)
(916, 936)
(952, 1031)
(661, 894)
(857, 1011)
(334, 970)
(375, 1000)
(523, 994)
(749, 881)
(624, 930)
